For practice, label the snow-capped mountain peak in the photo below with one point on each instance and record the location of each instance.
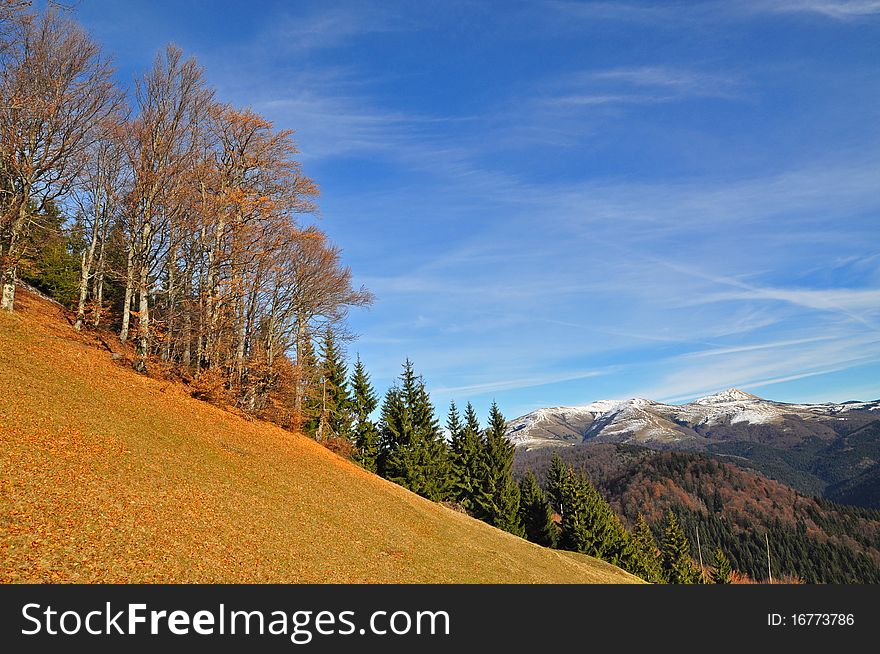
(731, 415)
(730, 395)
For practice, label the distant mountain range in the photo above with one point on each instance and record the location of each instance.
(830, 450)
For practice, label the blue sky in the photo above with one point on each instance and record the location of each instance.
(556, 202)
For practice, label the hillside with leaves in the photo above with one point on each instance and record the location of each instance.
(111, 476)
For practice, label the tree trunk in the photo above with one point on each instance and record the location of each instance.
(87, 260)
(298, 381)
(186, 356)
(98, 286)
(9, 258)
(212, 337)
(170, 326)
(8, 281)
(129, 291)
(143, 336)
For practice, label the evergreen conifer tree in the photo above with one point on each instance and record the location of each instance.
(590, 526)
(432, 448)
(455, 427)
(312, 388)
(556, 478)
(535, 512)
(412, 451)
(471, 421)
(336, 409)
(649, 560)
(51, 255)
(723, 571)
(467, 453)
(466, 449)
(677, 565)
(365, 433)
(497, 499)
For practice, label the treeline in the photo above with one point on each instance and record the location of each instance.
(166, 215)
(471, 467)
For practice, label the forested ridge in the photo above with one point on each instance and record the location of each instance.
(739, 511)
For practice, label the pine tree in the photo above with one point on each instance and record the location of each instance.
(365, 433)
(535, 512)
(677, 565)
(336, 403)
(650, 563)
(723, 571)
(497, 498)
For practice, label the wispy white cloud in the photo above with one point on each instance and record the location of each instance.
(650, 13)
(858, 304)
(752, 370)
(773, 345)
(836, 9)
(331, 27)
(512, 384)
(548, 275)
(573, 106)
(683, 82)
(710, 11)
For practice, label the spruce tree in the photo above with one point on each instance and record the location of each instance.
(432, 448)
(365, 433)
(650, 563)
(678, 567)
(412, 451)
(471, 421)
(395, 430)
(535, 512)
(455, 427)
(51, 255)
(557, 475)
(336, 402)
(590, 526)
(467, 454)
(497, 498)
(312, 388)
(723, 571)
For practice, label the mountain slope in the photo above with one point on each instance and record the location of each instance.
(731, 415)
(830, 450)
(113, 477)
(815, 540)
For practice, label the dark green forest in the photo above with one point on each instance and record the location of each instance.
(738, 511)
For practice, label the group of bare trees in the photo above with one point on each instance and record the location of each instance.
(188, 205)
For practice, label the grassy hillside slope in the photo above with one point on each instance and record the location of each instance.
(108, 476)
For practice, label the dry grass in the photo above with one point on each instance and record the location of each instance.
(108, 476)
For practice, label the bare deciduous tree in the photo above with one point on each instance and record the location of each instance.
(55, 87)
(170, 97)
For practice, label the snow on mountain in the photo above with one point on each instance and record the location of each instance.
(724, 397)
(729, 415)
